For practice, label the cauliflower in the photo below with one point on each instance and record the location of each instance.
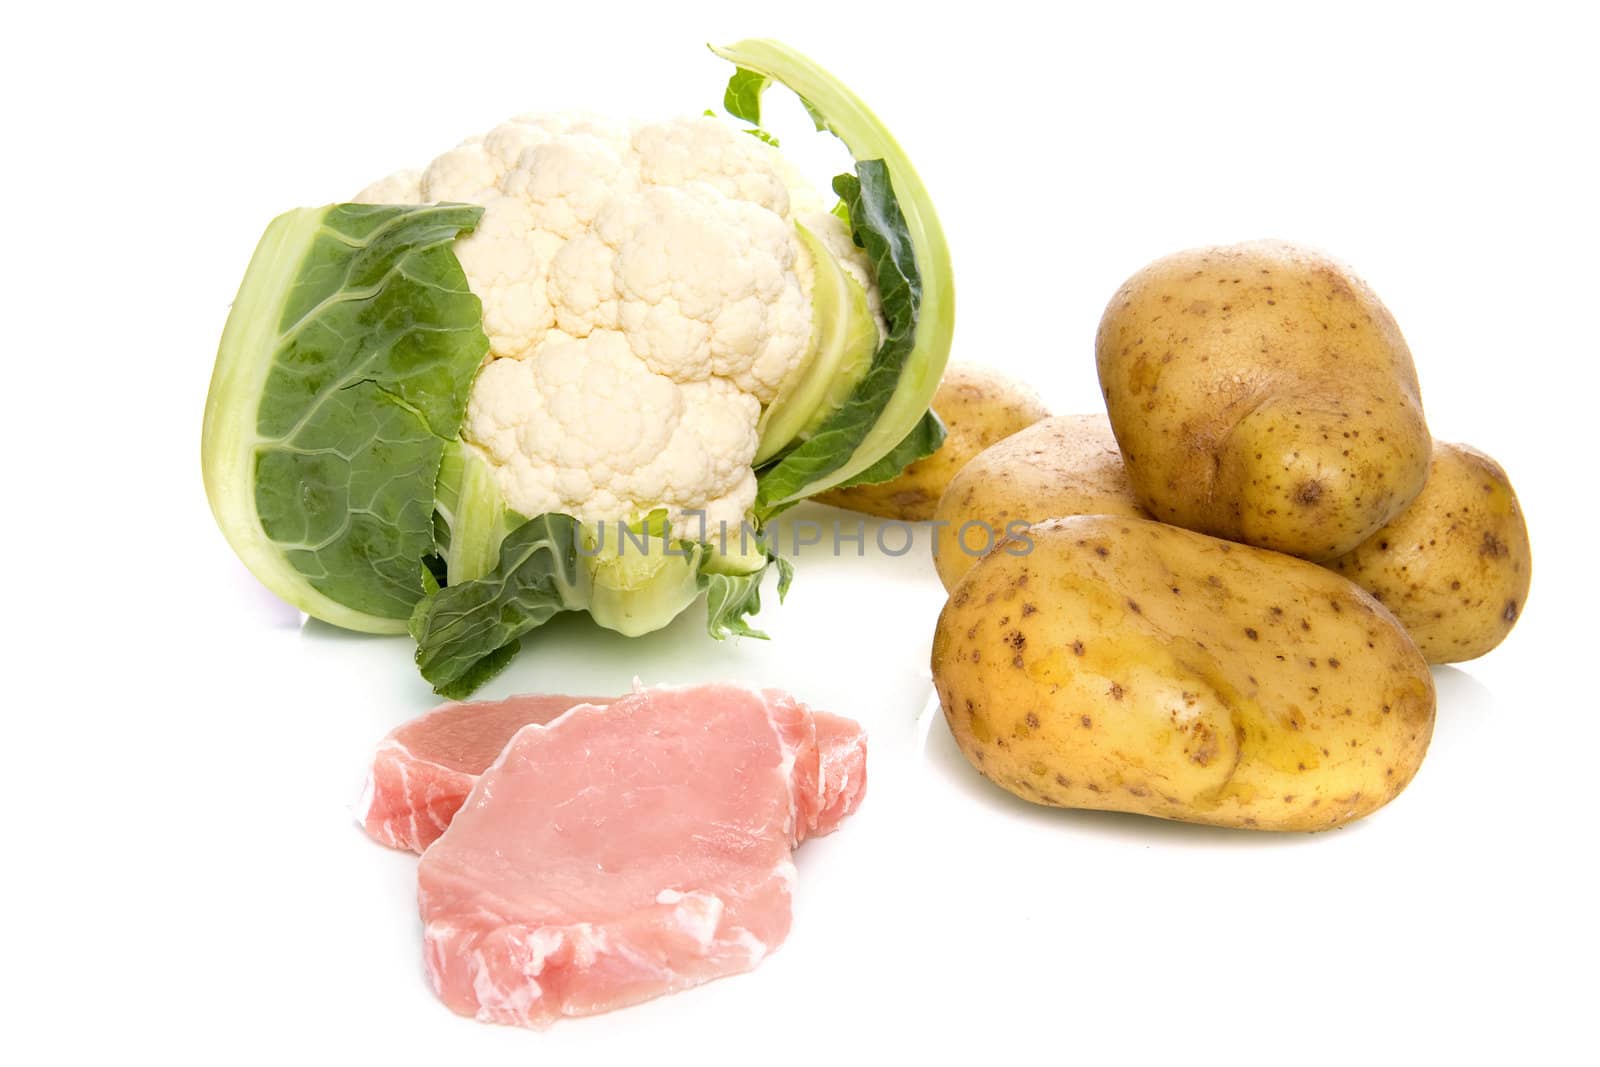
(645, 296)
(438, 409)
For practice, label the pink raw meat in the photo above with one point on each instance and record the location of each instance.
(627, 851)
(842, 748)
(423, 771)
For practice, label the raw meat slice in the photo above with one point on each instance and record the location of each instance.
(627, 851)
(423, 771)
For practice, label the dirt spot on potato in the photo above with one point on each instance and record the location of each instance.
(1307, 493)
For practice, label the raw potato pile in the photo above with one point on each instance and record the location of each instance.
(1263, 403)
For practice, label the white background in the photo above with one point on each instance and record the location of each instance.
(181, 878)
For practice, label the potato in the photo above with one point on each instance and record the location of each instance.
(1454, 567)
(979, 406)
(1260, 392)
(1126, 665)
(1066, 465)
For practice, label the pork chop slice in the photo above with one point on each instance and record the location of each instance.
(624, 852)
(422, 772)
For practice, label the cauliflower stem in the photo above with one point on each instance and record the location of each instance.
(466, 633)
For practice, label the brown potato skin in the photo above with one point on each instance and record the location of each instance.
(1261, 392)
(979, 406)
(1454, 567)
(1126, 665)
(1065, 465)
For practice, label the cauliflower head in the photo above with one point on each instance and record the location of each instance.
(645, 296)
(428, 405)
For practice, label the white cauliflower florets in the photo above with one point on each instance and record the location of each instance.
(644, 295)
